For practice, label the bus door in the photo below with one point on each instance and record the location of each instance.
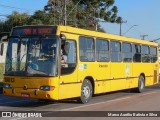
(68, 78)
(154, 60)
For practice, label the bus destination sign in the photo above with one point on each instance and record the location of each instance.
(20, 31)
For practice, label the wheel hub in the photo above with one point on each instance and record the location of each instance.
(86, 91)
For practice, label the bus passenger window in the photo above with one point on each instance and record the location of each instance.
(102, 50)
(136, 51)
(145, 54)
(87, 50)
(153, 54)
(126, 52)
(115, 48)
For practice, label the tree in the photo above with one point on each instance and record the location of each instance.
(80, 13)
(40, 17)
(1, 26)
(15, 19)
(86, 13)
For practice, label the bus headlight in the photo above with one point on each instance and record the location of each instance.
(47, 88)
(7, 86)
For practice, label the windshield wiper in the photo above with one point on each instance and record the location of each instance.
(39, 75)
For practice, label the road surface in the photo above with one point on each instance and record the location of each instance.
(149, 100)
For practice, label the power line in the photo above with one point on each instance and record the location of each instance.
(129, 29)
(4, 15)
(138, 31)
(11, 7)
(73, 8)
(156, 39)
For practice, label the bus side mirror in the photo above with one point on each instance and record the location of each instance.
(1, 49)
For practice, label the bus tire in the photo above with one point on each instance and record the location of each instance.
(86, 92)
(44, 100)
(141, 84)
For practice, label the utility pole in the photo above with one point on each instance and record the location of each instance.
(65, 15)
(121, 22)
(143, 36)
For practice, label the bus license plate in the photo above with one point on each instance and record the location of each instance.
(25, 95)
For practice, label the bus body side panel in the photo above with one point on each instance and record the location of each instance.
(69, 90)
(146, 69)
(88, 69)
(128, 71)
(149, 73)
(117, 75)
(102, 77)
(99, 74)
(137, 70)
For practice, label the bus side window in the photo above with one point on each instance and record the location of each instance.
(70, 64)
(87, 49)
(153, 54)
(115, 48)
(126, 52)
(145, 54)
(136, 51)
(102, 50)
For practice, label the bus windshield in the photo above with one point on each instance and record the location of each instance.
(32, 56)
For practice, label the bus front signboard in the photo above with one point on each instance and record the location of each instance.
(43, 30)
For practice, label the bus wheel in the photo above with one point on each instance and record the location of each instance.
(86, 91)
(141, 84)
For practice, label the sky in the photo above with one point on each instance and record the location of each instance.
(142, 16)
(143, 13)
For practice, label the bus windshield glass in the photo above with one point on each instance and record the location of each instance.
(32, 56)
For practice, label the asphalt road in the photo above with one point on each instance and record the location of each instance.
(149, 100)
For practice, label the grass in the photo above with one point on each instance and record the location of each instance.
(1, 71)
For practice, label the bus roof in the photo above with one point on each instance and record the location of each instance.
(91, 33)
(84, 32)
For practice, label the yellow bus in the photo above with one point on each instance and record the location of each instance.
(61, 62)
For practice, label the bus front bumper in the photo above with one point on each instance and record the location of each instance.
(30, 93)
